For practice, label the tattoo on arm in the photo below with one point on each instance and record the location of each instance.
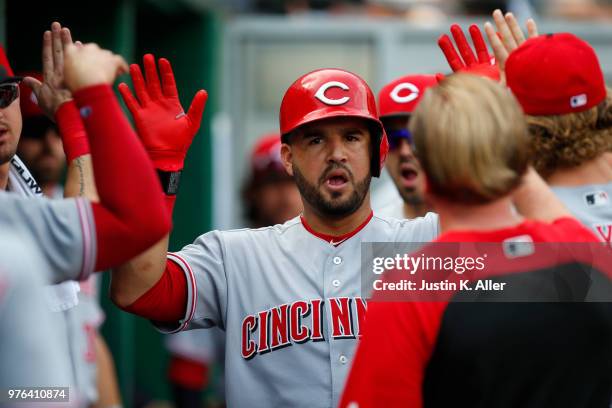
(79, 165)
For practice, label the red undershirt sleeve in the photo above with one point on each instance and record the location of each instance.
(131, 215)
(166, 301)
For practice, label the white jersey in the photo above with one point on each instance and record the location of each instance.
(290, 303)
(591, 205)
(393, 210)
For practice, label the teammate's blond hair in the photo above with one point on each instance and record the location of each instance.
(565, 141)
(470, 136)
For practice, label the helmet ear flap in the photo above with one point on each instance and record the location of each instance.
(379, 147)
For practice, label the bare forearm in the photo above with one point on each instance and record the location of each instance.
(108, 389)
(535, 200)
(80, 179)
(134, 278)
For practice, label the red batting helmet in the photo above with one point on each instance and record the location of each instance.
(401, 97)
(266, 163)
(327, 93)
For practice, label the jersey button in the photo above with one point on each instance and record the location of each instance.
(337, 260)
(336, 282)
(343, 359)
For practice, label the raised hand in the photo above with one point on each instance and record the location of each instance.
(480, 63)
(52, 92)
(162, 124)
(88, 65)
(508, 36)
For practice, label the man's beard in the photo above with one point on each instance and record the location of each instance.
(411, 196)
(332, 207)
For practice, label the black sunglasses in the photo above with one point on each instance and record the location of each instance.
(8, 94)
(395, 136)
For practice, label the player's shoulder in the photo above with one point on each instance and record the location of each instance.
(278, 229)
(246, 235)
(419, 229)
(428, 219)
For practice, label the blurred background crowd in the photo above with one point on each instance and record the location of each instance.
(245, 53)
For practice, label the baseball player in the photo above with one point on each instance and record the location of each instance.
(270, 197)
(456, 351)
(396, 101)
(68, 239)
(569, 112)
(270, 194)
(80, 315)
(40, 148)
(287, 296)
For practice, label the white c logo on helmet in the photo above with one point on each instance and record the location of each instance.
(320, 95)
(414, 92)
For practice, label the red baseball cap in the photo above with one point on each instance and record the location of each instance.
(6, 72)
(555, 74)
(266, 163)
(27, 100)
(401, 96)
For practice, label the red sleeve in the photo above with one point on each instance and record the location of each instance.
(166, 301)
(389, 366)
(188, 373)
(72, 131)
(131, 215)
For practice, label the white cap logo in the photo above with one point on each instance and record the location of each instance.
(414, 92)
(320, 95)
(578, 100)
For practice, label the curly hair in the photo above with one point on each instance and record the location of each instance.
(566, 141)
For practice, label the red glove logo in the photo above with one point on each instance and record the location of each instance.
(468, 62)
(162, 124)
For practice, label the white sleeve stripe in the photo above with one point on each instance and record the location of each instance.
(180, 261)
(85, 218)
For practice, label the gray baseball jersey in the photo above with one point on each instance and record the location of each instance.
(32, 344)
(592, 205)
(393, 210)
(290, 304)
(60, 238)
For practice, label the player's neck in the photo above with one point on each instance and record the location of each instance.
(415, 210)
(335, 226)
(4, 172)
(596, 171)
(491, 216)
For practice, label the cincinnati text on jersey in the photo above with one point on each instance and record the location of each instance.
(300, 322)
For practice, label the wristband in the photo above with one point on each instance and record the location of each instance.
(169, 181)
(72, 131)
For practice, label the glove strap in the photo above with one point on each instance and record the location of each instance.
(170, 181)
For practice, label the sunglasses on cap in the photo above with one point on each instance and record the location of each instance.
(8, 94)
(396, 136)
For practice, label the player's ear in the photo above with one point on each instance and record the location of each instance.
(287, 158)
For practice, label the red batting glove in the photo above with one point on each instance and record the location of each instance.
(162, 124)
(484, 65)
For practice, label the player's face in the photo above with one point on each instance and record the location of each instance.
(43, 155)
(277, 202)
(402, 165)
(10, 129)
(330, 161)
